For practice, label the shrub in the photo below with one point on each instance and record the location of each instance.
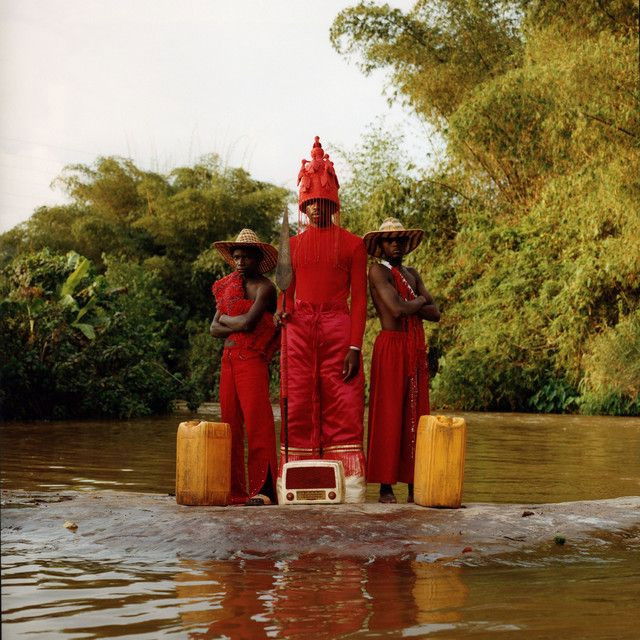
(76, 344)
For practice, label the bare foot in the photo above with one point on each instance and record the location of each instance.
(386, 494)
(259, 500)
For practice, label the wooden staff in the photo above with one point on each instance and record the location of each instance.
(284, 273)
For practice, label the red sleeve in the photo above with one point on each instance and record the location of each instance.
(217, 289)
(358, 294)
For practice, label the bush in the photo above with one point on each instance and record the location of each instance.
(77, 344)
(611, 384)
(203, 365)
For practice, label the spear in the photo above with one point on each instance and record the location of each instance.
(284, 273)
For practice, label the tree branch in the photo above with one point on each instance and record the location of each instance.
(610, 124)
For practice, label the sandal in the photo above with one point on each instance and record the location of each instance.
(259, 500)
(387, 498)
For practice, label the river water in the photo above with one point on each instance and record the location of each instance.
(555, 592)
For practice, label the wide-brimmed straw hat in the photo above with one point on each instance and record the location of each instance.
(392, 228)
(249, 238)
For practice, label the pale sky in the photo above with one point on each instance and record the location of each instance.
(166, 81)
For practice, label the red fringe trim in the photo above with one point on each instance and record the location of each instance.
(352, 461)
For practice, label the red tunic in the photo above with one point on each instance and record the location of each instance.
(330, 266)
(232, 301)
(327, 301)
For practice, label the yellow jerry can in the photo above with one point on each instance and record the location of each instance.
(439, 470)
(203, 463)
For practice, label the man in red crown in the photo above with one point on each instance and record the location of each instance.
(326, 311)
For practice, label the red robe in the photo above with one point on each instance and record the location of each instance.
(399, 395)
(244, 391)
(325, 413)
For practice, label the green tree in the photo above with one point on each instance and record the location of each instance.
(166, 224)
(537, 104)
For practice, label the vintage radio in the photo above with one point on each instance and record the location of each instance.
(312, 482)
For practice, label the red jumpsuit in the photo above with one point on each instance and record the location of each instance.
(244, 391)
(399, 395)
(325, 413)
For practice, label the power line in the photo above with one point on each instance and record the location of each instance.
(10, 167)
(45, 144)
(22, 155)
(19, 195)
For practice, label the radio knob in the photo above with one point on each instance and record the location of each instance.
(289, 496)
(332, 495)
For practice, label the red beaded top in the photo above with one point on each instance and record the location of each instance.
(231, 300)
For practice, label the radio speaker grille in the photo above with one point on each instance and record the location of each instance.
(310, 478)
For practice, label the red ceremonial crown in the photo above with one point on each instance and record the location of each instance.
(317, 177)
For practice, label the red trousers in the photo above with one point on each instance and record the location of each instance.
(325, 413)
(394, 409)
(244, 403)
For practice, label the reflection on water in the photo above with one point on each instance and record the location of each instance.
(84, 599)
(510, 457)
(311, 597)
(439, 593)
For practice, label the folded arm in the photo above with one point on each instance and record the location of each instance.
(218, 330)
(265, 299)
(381, 282)
(429, 310)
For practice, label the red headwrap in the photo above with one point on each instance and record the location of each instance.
(317, 177)
(318, 183)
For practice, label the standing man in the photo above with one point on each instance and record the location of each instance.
(326, 309)
(245, 302)
(399, 392)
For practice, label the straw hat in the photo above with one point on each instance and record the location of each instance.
(392, 228)
(248, 238)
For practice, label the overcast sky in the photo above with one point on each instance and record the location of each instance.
(165, 82)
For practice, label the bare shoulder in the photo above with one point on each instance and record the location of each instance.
(414, 272)
(378, 273)
(265, 286)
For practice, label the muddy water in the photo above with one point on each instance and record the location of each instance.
(510, 457)
(308, 598)
(555, 592)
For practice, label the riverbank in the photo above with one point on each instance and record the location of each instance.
(115, 524)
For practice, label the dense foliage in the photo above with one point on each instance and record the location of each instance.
(76, 343)
(141, 233)
(532, 219)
